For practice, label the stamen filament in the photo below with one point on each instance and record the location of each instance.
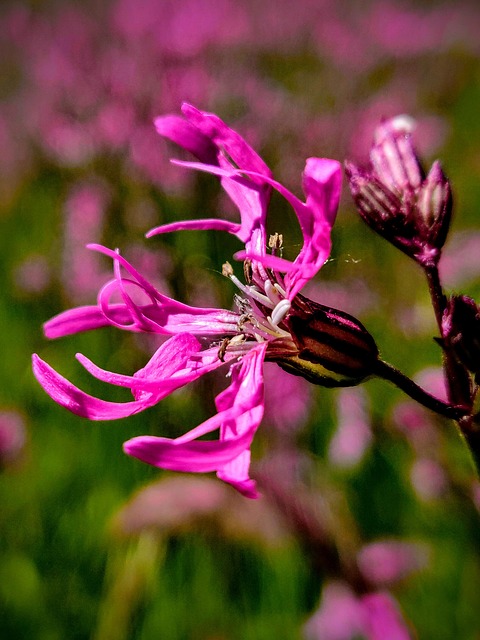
(271, 292)
(252, 293)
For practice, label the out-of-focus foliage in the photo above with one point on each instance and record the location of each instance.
(80, 162)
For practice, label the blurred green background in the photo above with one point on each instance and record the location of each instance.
(80, 85)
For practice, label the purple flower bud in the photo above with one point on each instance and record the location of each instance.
(395, 198)
(434, 204)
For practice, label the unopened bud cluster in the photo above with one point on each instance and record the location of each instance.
(412, 210)
(397, 200)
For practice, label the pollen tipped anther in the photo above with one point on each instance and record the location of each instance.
(227, 270)
(275, 242)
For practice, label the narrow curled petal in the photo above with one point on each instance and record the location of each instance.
(240, 410)
(186, 135)
(171, 357)
(322, 184)
(146, 380)
(163, 315)
(200, 456)
(77, 401)
(165, 318)
(213, 224)
(215, 144)
(231, 147)
(247, 388)
(81, 319)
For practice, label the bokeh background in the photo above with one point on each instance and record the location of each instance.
(95, 545)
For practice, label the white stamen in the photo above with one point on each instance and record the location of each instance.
(280, 311)
(271, 291)
(280, 289)
(264, 325)
(279, 333)
(252, 293)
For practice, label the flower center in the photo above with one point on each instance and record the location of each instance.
(262, 304)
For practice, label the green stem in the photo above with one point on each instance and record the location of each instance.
(399, 379)
(471, 433)
(456, 376)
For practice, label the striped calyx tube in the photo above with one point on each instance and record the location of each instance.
(334, 348)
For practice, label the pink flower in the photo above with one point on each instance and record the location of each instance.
(12, 436)
(385, 562)
(204, 339)
(345, 615)
(353, 434)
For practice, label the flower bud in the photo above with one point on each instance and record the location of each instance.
(335, 349)
(461, 328)
(434, 205)
(395, 198)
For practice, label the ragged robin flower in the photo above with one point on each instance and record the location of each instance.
(272, 320)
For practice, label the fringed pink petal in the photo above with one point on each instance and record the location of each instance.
(322, 185)
(82, 404)
(213, 224)
(269, 261)
(240, 412)
(165, 315)
(230, 145)
(186, 135)
(215, 144)
(81, 319)
(197, 456)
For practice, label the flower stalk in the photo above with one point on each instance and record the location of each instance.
(412, 389)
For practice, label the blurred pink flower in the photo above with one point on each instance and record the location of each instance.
(433, 380)
(33, 275)
(417, 425)
(353, 296)
(429, 479)
(475, 493)
(409, 31)
(259, 330)
(83, 96)
(85, 210)
(12, 436)
(288, 400)
(344, 615)
(339, 617)
(177, 504)
(384, 619)
(457, 268)
(353, 434)
(385, 562)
